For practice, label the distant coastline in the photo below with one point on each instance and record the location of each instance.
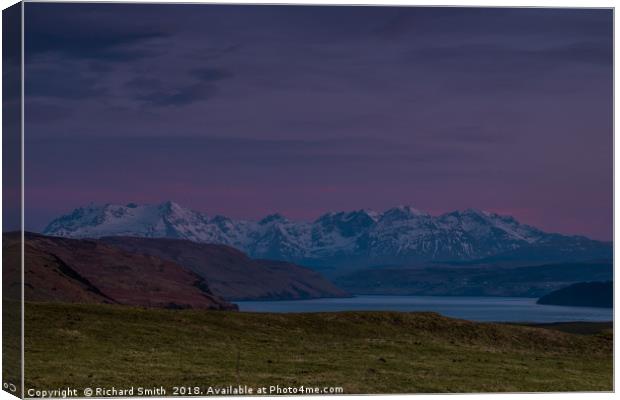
(583, 294)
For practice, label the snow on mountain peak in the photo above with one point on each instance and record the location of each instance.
(402, 232)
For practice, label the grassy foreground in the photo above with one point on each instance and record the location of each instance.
(363, 352)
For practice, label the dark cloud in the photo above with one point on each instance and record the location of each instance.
(43, 112)
(83, 34)
(496, 56)
(470, 134)
(269, 157)
(526, 68)
(141, 83)
(54, 82)
(93, 45)
(179, 96)
(215, 53)
(154, 92)
(500, 22)
(599, 53)
(212, 74)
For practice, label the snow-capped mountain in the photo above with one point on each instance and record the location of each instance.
(395, 236)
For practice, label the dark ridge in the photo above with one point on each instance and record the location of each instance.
(203, 286)
(584, 294)
(71, 273)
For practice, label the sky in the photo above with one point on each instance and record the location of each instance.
(249, 110)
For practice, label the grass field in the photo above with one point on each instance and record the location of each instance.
(363, 352)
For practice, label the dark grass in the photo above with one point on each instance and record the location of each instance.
(363, 352)
(582, 328)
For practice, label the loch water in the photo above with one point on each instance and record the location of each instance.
(499, 309)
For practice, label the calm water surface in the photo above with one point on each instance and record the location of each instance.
(500, 309)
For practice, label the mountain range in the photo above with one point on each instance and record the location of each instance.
(397, 236)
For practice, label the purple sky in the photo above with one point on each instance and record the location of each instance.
(248, 110)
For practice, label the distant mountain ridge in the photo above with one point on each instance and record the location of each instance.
(478, 280)
(399, 235)
(582, 294)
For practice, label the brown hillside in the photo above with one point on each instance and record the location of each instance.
(231, 273)
(88, 271)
